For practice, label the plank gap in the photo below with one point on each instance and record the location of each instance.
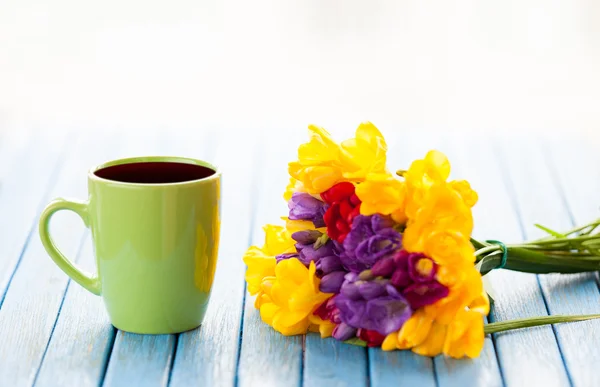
(173, 355)
(109, 352)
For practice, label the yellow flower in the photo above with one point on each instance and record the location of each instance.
(318, 166)
(316, 179)
(260, 265)
(441, 209)
(448, 247)
(465, 335)
(301, 225)
(415, 330)
(423, 174)
(293, 296)
(390, 342)
(481, 304)
(434, 343)
(293, 186)
(434, 168)
(261, 260)
(460, 296)
(364, 154)
(320, 149)
(420, 333)
(263, 295)
(426, 335)
(278, 240)
(322, 162)
(463, 188)
(382, 194)
(323, 327)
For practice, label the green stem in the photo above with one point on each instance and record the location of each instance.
(487, 249)
(502, 326)
(530, 261)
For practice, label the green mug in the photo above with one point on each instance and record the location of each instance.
(155, 225)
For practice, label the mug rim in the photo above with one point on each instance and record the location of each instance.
(157, 159)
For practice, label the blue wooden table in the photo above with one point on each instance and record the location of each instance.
(54, 333)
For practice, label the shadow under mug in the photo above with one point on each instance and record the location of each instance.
(155, 225)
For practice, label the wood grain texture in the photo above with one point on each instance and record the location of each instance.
(575, 177)
(268, 358)
(208, 356)
(140, 360)
(25, 180)
(83, 337)
(328, 362)
(530, 356)
(400, 368)
(35, 294)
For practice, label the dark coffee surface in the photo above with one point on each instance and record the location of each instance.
(154, 172)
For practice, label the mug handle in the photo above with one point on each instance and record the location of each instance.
(91, 283)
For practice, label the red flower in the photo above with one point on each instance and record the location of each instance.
(344, 205)
(372, 338)
(328, 311)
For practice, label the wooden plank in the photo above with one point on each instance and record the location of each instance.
(208, 355)
(33, 299)
(268, 358)
(25, 181)
(140, 360)
(531, 356)
(574, 179)
(83, 337)
(329, 362)
(400, 368)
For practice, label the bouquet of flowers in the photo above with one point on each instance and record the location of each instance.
(386, 259)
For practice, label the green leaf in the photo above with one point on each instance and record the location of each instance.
(321, 241)
(502, 326)
(549, 231)
(356, 341)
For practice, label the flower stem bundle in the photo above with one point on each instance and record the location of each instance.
(574, 251)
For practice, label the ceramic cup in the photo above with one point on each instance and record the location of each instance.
(155, 227)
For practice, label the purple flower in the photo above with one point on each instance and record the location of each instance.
(305, 207)
(286, 256)
(413, 274)
(332, 282)
(330, 264)
(329, 311)
(425, 293)
(370, 239)
(326, 258)
(372, 304)
(343, 332)
(307, 237)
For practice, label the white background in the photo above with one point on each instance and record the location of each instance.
(520, 66)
